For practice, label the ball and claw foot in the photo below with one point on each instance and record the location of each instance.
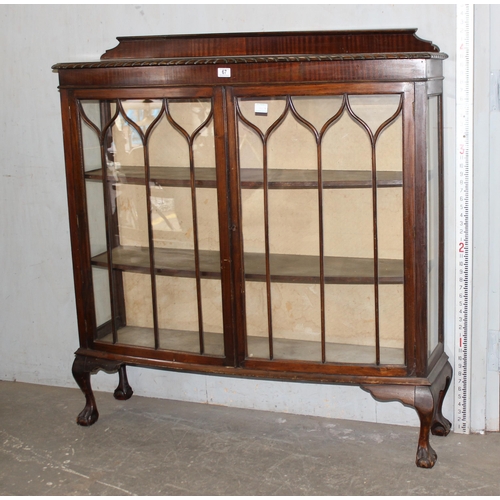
(426, 457)
(441, 427)
(427, 400)
(87, 416)
(123, 391)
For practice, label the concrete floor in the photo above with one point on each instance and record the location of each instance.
(148, 446)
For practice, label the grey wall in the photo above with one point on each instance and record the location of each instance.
(38, 332)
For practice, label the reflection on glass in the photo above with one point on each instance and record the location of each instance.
(90, 143)
(128, 223)
(96, 217)
(102, 303)
(142, 112)
(96, 221)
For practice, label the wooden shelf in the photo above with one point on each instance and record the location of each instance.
(284, 268)
(258, 347)
(252, 178)
(307, 350)
(332, 179)
(168, 262)
(171, 340)
(164, 176)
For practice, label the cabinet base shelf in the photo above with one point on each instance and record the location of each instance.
(258, 347)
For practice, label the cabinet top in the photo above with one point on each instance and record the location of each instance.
(263, 47)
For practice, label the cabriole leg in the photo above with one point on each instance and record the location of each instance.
(441, 426)
(428, 402)
(89, 414)
(425, 404)
(83, 367)
(429, 406)
(420, 398)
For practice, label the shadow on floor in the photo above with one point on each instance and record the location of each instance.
(148, 446)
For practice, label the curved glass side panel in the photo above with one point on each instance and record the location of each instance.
(433, 225)
(91, 153)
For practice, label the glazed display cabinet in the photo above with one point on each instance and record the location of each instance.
(261, 205)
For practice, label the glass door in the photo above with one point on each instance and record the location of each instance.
(151, 185)
(321, 196)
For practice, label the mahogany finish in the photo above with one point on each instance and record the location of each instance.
(263, 65)
(245, 44)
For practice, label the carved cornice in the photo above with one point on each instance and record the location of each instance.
(198, 61)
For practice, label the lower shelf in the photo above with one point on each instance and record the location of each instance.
(302, 350)
(258, 347)
(171, 340)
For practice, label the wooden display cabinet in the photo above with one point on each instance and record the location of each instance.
(262, 205)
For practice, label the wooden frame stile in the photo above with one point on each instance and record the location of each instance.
(439, 350)
(421, 228)
(236, 236)
(409, 225)
(78, 219)
(112, 236)
(441, 220)
(227, 227)
(262, 66)
(114, 231)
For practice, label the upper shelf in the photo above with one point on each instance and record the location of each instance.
(252, 178)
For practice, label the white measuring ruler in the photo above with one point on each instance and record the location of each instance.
(463, 158)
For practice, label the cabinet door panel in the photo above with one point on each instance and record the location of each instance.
(154, 223)
(321, 216)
